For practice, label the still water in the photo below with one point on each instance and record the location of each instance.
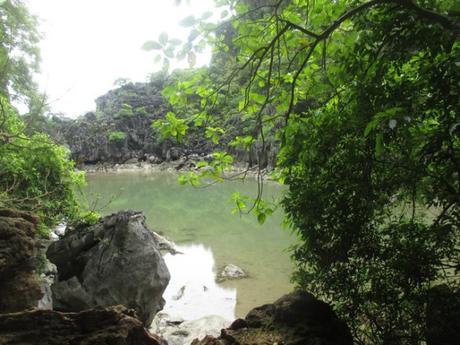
(200, 222)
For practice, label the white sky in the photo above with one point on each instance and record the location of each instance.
(88, 44)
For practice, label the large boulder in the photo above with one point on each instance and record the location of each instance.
(295, 319)
(116, 261)
(111, 326)
(19, 286)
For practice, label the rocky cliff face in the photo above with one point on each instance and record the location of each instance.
(120, 129)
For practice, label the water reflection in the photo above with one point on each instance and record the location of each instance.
(192, 292)
(187, 216)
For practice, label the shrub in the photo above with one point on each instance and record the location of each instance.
(125, 111)
(116, 136)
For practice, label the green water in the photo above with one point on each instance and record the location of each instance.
(201, 218)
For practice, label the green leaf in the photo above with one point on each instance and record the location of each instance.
(193, 34)
(151, 45)
(175, 42)
(169, 52)
(261, 217)
(379, 144)
(183, 180)
(206, 15)
(163, 38)
(188, 21)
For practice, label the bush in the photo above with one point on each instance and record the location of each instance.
(125, 111)
(35, 174)
(116, 136)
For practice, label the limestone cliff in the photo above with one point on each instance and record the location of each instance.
(120, 129)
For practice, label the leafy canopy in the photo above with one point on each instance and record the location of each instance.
(362, 99)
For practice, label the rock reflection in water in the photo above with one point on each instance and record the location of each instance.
(192, 292)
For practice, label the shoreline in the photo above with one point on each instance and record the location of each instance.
(177, 167)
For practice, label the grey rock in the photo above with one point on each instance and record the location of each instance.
(46, 302)
(116, 261)
(153, 159)
(165, 245)
(232, 272)
(132, 161)
(60, 229)
(180, 332)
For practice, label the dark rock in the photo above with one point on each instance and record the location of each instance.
(19, 286)
(295, 319)
(116, 261)
(238, 324)
(111, 326)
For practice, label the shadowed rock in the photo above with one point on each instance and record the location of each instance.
(19, 286)
(116, 261)
(111, 326)
(295, 319)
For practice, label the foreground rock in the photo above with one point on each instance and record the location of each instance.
(116, 261)
(111, 326)
(295, 319)
(19, 286)
(180, 332)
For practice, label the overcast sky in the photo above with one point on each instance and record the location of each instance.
(88, 44)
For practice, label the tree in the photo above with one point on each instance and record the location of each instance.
(35, 173)
(363, 98)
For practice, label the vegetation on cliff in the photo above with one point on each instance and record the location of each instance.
(363, 98)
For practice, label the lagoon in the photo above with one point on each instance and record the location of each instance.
(200, 222)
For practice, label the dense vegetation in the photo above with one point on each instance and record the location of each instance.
(363, 99)
(35, 174)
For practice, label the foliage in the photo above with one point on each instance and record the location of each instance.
(116, 136)
(141, 111)
(363, 98)
(126, 110)
(171, 126)
(19, 55)
(35, 173)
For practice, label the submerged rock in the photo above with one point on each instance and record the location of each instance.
(19, 286)
(231, 272)
(116, 261)
(111, 326)
(179, 332)
(295, 319)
